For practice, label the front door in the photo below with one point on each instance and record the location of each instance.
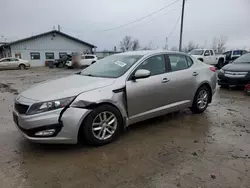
(147, 94)
(13, 63)
(3, 63)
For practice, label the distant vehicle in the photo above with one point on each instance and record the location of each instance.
(209, 57)
(236, 73)
(62, 61)
(85, 61)
(113, 93)
(14, 63)
(233, 54)
(88, 59)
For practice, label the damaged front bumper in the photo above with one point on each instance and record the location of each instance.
(51, 127)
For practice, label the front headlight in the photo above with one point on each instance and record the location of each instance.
(49, 105)
(222, 71)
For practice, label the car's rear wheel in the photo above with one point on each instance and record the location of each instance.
(201, 100)
(60, 65)
(102, 126)
(22, 67)
(220, 63)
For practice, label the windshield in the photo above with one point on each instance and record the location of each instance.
(243, 59)
(112, 66)
(196, 52)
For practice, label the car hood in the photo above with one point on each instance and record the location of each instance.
(65, 87)
(241, 67)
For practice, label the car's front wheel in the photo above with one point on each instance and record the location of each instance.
(103, 125)
(201, 100)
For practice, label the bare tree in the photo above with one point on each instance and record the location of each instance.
(148, 47)
(174, 48)
(129, 44)
(135, 45)
(219, 44)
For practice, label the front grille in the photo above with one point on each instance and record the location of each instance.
(236, 73)
(21, 108)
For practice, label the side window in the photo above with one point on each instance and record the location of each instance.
(156, 65)
(244, 51)
(7, 60)
(189, 61)
(13, 59)
(211, 52)
(34, 55)
(207, 53)
(49, 55)
(178, 62)
(237, 52)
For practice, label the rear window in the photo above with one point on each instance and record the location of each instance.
(237, 52)
(243, 59)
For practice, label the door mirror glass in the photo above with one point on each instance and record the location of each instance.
(142, 73)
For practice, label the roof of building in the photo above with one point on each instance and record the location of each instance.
(51, 32)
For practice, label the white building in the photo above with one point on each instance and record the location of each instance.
(45, 47)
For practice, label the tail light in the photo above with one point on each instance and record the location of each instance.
(212, 69)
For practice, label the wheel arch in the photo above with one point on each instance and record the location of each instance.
(207, 84)
(201, 59)
(95, 105)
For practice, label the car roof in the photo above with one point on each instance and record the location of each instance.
(149, 52)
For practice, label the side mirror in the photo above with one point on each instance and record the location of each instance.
(141, 73)
(206, 54)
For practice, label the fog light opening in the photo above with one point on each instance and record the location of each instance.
(45, 132)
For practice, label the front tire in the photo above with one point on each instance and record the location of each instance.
(22, 67)
(201, 100)
(102, 126)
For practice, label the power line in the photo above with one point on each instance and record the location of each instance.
(82, 31)
(137, 20)
(174, 26)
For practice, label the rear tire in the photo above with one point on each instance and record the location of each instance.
(201, 100)
(22, 67)
(98, 129)
(60, 65)
(220, 63)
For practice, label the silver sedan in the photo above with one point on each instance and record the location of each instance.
(99, 102)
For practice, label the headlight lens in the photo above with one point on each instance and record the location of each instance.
(49, 105)
(222, 71)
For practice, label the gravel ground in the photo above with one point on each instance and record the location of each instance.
(176, 150)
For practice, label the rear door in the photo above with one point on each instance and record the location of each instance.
(182, 80)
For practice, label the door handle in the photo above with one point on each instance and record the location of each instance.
(195, 73)
(165, 80)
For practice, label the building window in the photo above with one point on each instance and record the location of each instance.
(49, 55)
(62, 54)
(18, 55)
(34, 55)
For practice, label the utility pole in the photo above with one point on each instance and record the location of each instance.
(59, 28)
(182, 17)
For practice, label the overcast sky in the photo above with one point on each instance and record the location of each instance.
(87, 20)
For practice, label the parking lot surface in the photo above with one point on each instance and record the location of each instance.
(176, 150)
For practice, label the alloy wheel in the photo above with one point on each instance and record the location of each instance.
(104, 125)
(202, 99)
